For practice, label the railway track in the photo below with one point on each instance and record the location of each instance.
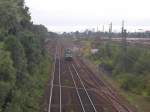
(74, 88)
(109, 94)
(52, 83)
(56, 102)
(85, 92)
(96, 99)
(55, 92)
(83, 96)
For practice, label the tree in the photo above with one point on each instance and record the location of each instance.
(19, 59)
(7, 75)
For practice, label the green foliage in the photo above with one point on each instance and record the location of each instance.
(12, 13)
(143, 64)
(19, 59)
(32, 49)
(130, 68)
(7, 74)
(24, 62)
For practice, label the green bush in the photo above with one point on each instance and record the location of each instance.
(130, 67)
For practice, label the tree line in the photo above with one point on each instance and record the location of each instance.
(24, 61)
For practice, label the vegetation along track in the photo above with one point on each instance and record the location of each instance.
(74, 88)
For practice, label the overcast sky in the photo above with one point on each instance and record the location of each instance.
(71, 15)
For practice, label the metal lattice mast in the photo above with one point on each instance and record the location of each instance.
(124, 46)
(124, 37)
(109, 40)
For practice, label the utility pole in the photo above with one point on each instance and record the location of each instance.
(122, 28)
(109, 40)
(125, 40)
(124, 46)
(124, 37)
(110, 31)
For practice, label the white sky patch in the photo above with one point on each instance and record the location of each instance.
(62, 15)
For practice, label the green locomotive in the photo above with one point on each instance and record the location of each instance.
(68, 55)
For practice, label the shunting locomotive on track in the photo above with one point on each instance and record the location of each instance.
(68, 54)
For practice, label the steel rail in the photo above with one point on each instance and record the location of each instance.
(84, 88)
(60, 82)
(52, 83)
(112, 99)
(79, 104)
(71, 87)
(77, 90)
